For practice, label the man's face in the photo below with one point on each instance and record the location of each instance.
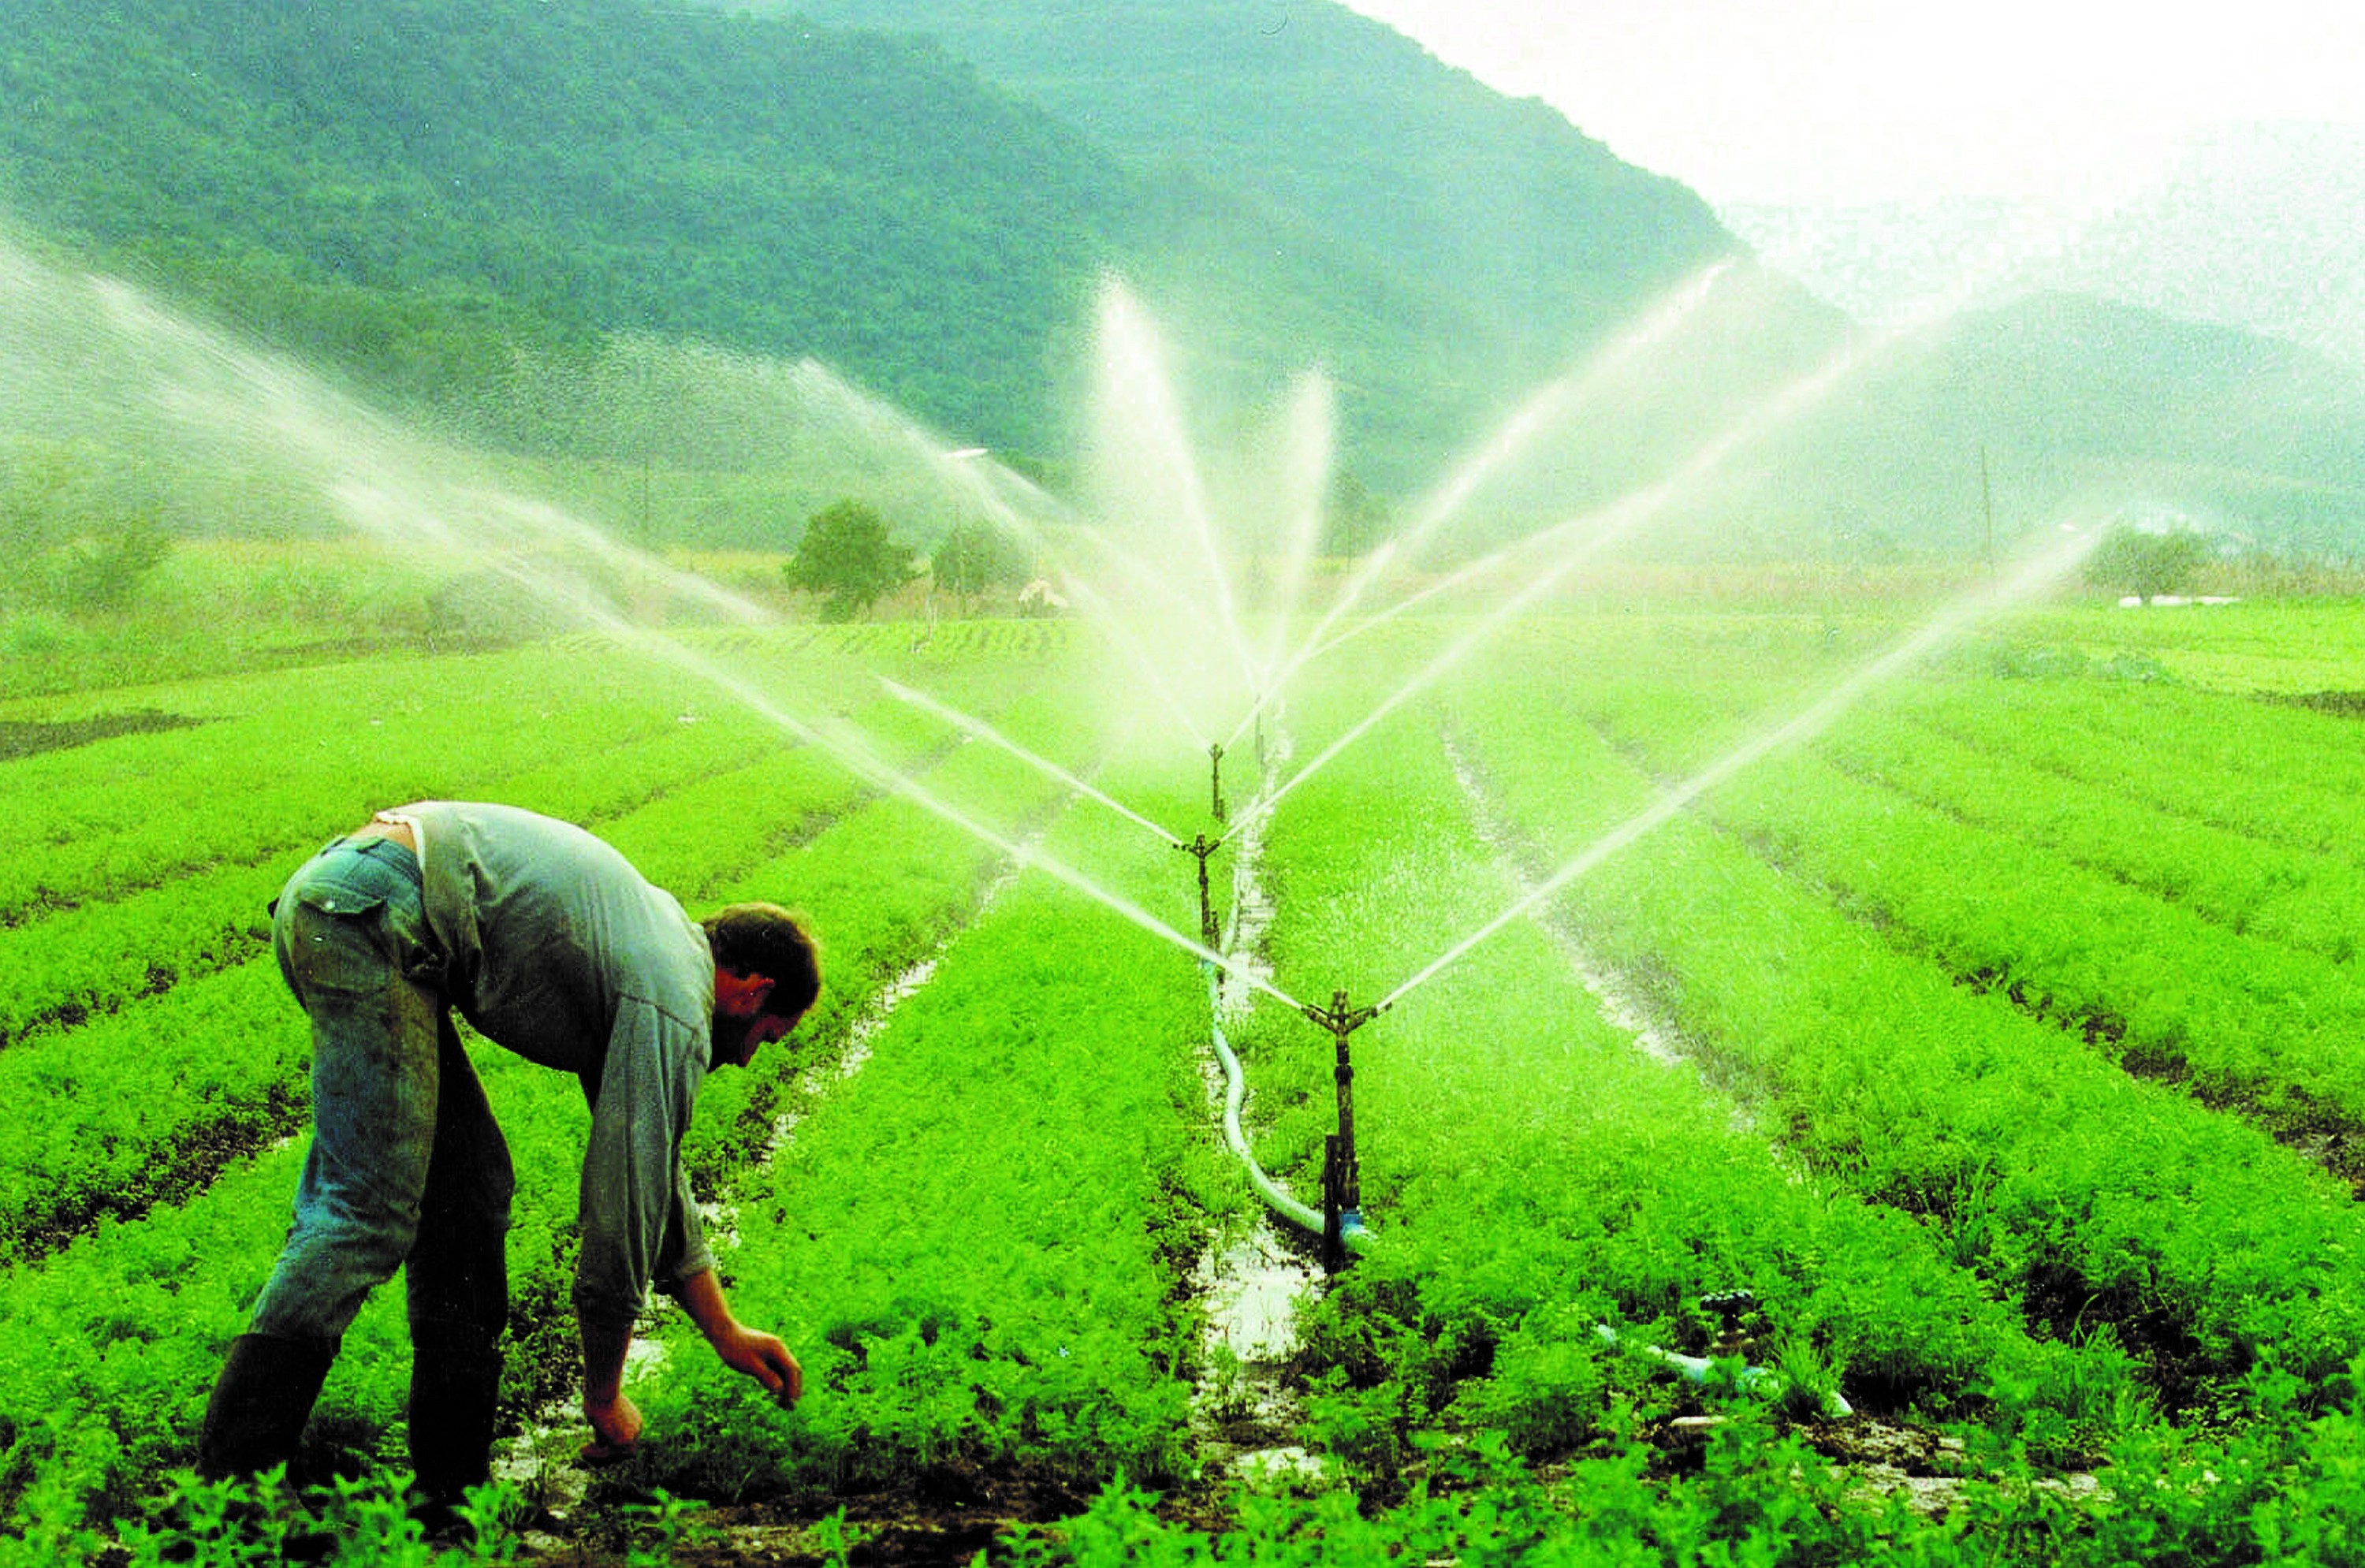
(736, 1040)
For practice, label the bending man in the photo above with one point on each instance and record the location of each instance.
(550, 943)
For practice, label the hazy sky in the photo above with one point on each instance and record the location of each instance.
(1822, 100)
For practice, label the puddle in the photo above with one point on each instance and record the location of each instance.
(1252, 1289)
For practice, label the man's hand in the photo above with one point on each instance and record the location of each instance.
(615, 1429)
(760, 1356)
(764, 1357)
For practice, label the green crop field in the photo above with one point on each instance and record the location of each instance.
(1971, 1085)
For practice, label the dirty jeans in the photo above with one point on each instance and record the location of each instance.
(408, 1168)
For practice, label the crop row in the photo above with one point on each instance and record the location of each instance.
(127, 905)
(2210, 954)
(203, 1071)
(2193, 942)
(2160, 987)
(2238, 882)
(2090, 1196)
(2283, 776)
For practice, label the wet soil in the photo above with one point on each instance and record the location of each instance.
(25, 737)
(946, 1515)
(2342, 704)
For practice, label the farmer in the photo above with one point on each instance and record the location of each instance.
(548, 941)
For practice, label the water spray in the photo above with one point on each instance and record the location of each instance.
(1537, 412)
(1343, 1180)
(982, 731)
(1950, 622)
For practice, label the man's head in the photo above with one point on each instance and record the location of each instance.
(767, 973)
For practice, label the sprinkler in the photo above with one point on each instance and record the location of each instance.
(1732, 1308)
(1342, 1181)
(1215, 778)
(1210, 936)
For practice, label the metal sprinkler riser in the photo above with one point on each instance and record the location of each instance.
(1210, 934)
(1342, 1171)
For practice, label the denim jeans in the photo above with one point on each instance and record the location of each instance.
(408, 1168)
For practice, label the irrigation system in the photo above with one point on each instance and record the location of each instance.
(213, 390)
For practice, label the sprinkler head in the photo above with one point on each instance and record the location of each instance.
(1732, 1308)
(1338, 1018)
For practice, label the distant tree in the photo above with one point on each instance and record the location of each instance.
(68, 542)
(976, 556)
(2133, 561)
(847, 555)
(106, 570)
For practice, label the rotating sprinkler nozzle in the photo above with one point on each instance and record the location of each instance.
(1210, 934)
(1215, 778)
(1342, 1178)
(1732, 1309)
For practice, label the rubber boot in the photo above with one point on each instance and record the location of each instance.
(256, 1415)
(456, 1384)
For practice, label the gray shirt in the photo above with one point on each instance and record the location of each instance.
(561, 952)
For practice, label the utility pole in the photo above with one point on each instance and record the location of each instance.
(1987, 506)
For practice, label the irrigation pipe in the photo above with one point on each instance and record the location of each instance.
(1355, 1235)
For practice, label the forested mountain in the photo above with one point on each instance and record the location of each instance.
(381, 182)
(411, 186)
(1497, 215)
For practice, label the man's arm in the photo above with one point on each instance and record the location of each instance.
(615, 1420)
(634, 1211)
(761, 1356)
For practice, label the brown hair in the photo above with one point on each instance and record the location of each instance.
(764, 939)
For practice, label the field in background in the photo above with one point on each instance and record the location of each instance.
(2012, 1075)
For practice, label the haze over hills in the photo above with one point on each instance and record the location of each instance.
(2256, 226)
(463, 206)
(2074, 400)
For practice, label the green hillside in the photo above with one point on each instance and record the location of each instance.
(1501, 216)
(468, 208)
(383, 184)
(411, 190)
